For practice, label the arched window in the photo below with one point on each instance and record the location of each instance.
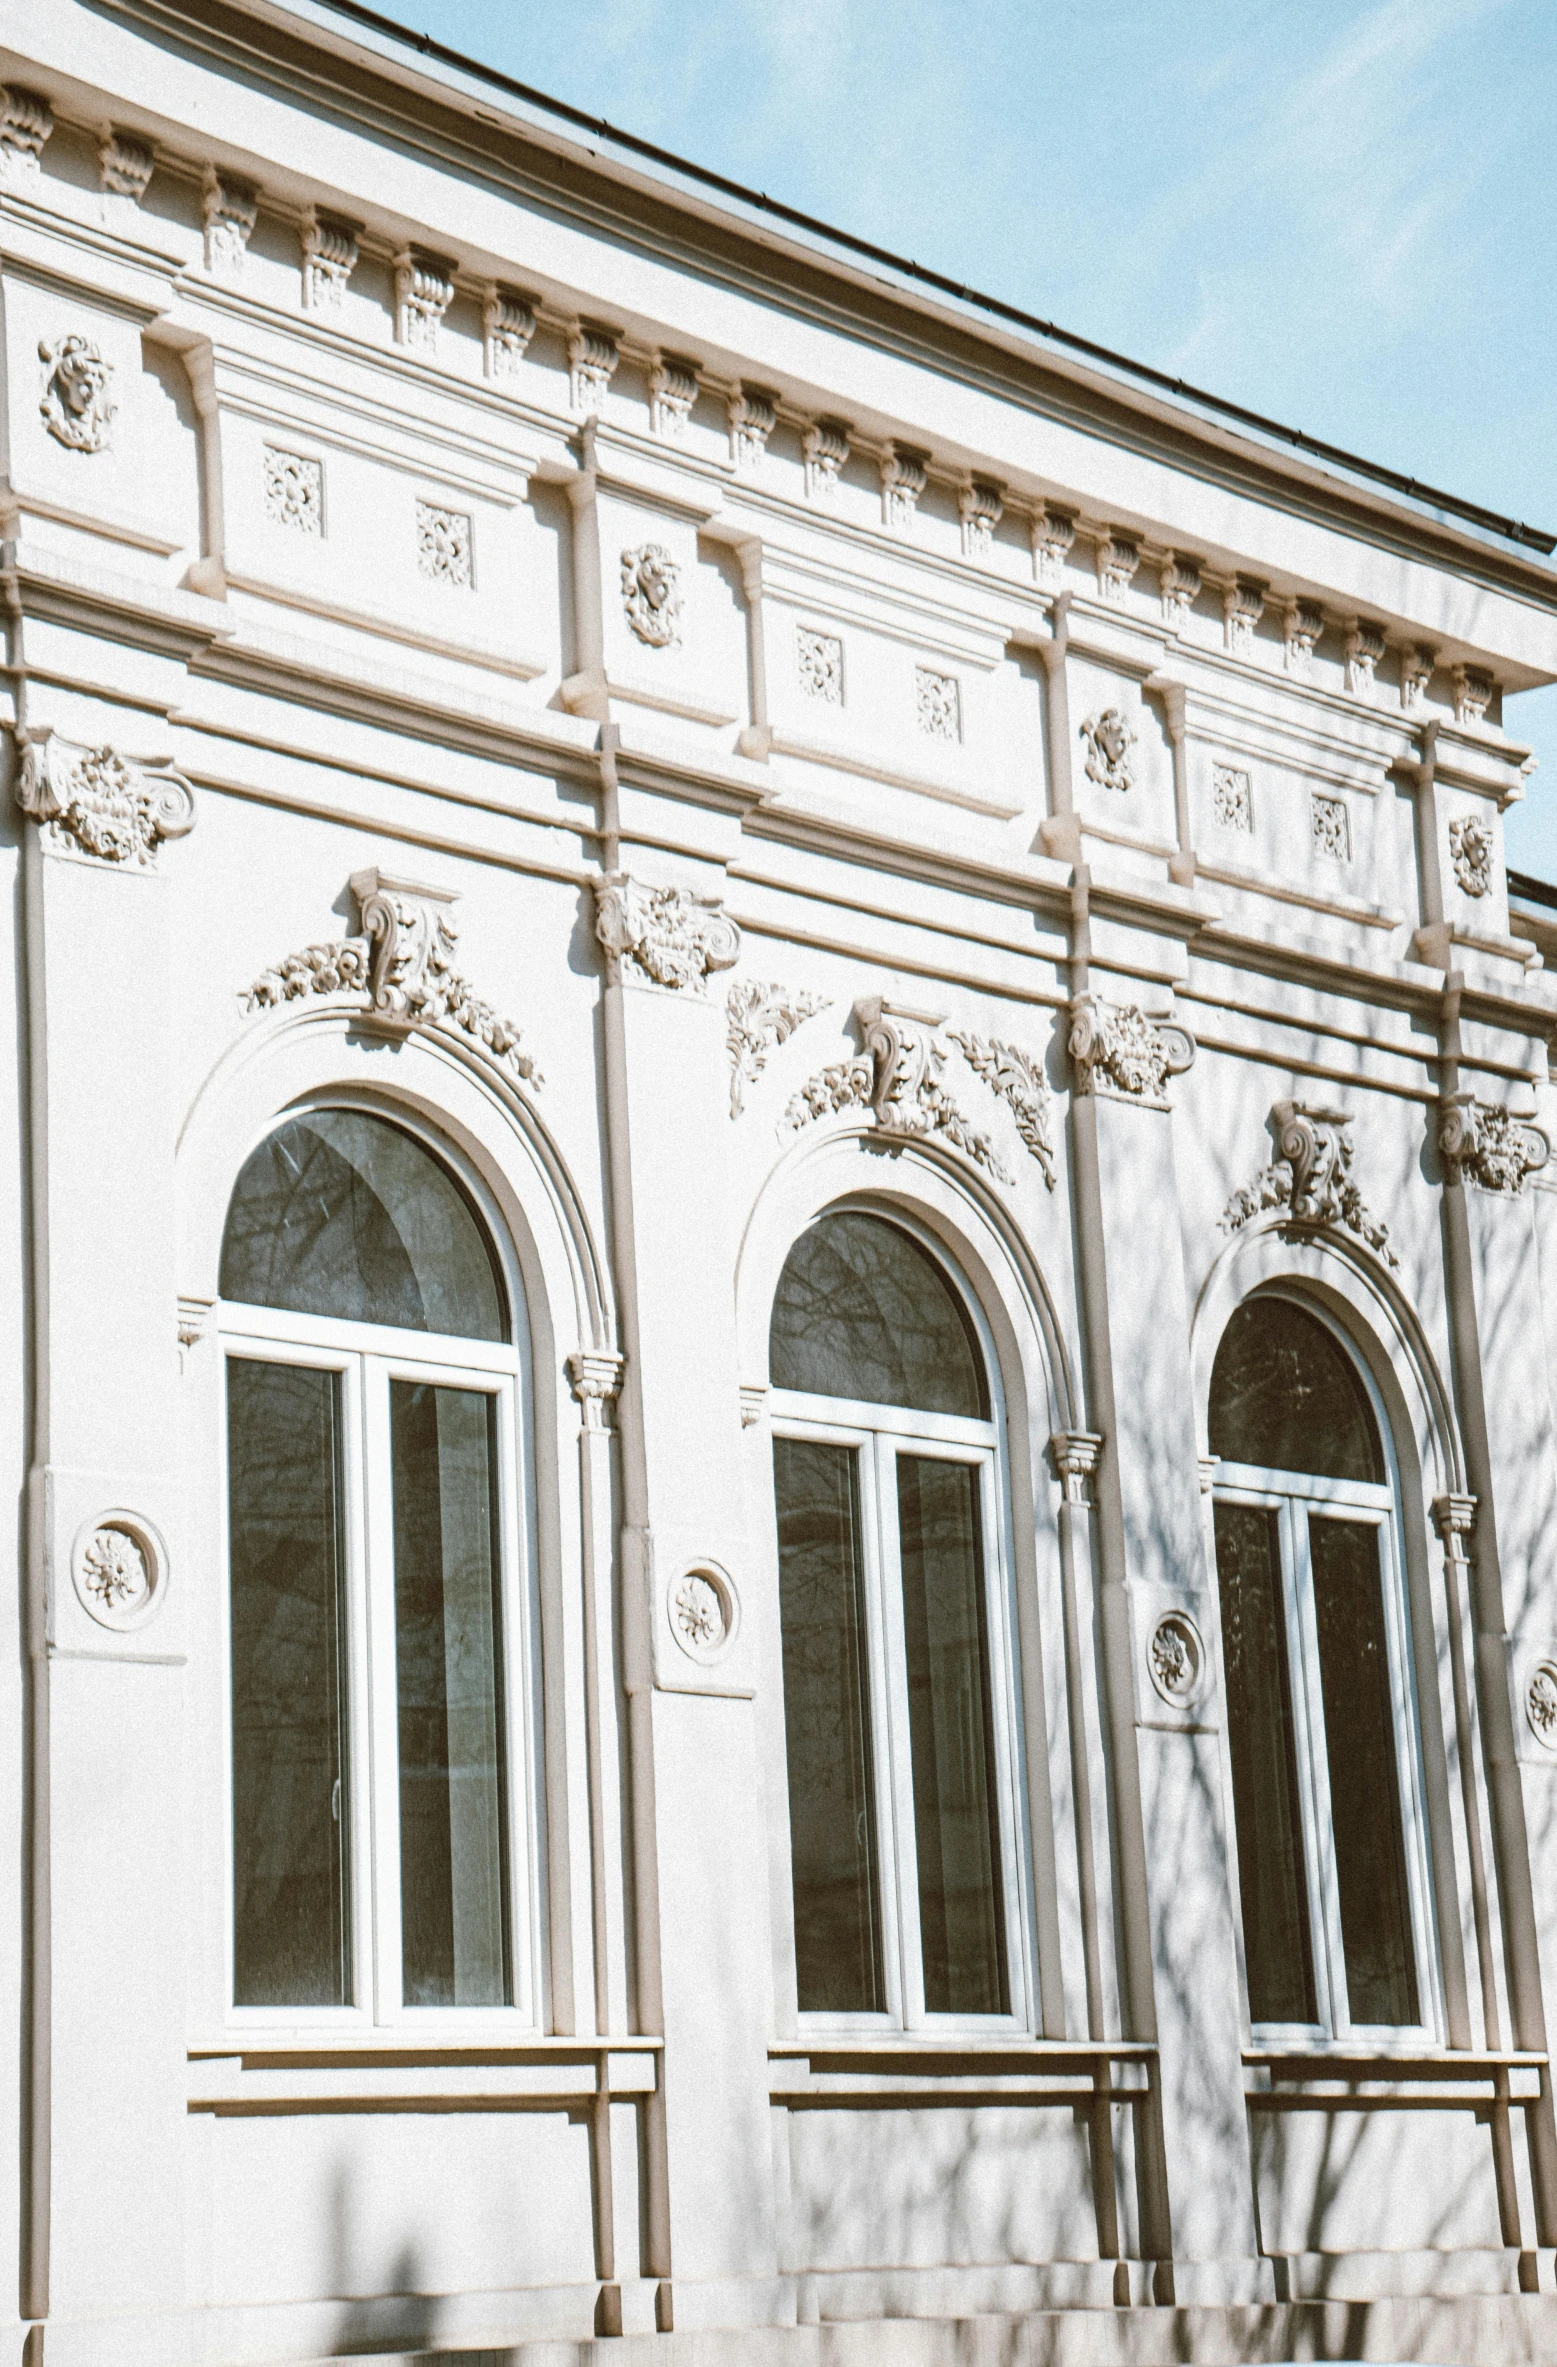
(897, 1690)
(376, 1610)
(1321, 1732)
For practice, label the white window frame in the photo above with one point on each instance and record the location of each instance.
(368, 1357)
(1294, 1497)
(879, 1434)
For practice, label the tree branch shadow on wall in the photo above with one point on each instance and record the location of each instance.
(398, 2318)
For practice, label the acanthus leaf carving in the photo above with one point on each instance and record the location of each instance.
(1243, 605)
(1416, 672)
(672, 394)
(1125, 1053)
(125, 163)
(825, 446)
(329, 249)
(231, 208)
(1472, 847)
(402, 966)
(760, 1019)
(424, 290)
(1485, 1143)
(753, 412)
(1016, 1078)
(78, 403)
(507, 325)
(981, 505)
(663, 936)
(1178, 580)
(592, 358)
(26, 120)
(1364, 648)
(1304, 622)
(1311, 1178)
(1053, 531)
(1118, 559)
(903, 480)
(651, 594)
(98, 803)
(1110, 736)
(1473, 689)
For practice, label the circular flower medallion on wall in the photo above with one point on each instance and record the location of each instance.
(120, 1568)
(1541, 1703)
(1176, 1657)
(704, 1612)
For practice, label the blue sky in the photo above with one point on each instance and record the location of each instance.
(1341, 215)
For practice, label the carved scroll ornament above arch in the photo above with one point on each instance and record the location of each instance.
(401, 969)
(1310, 1178)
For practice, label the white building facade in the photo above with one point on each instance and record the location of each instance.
(785, 1557)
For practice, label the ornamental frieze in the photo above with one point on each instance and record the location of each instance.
(97, 803)
(1310, 1178)
(401, 969)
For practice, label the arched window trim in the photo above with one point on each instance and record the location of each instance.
(1385, 1501)
(876, 1431)
(387, 1352)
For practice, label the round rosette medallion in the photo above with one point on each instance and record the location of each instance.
(119, 1566)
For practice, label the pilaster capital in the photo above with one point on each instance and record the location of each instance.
(594, 1376)
(1075, 1454)
(1125, 1053)
(97, 805)
(667, 937)
(1454, 1517)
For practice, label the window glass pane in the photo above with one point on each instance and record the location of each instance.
(832, 1817)
(862, 1311)
(1370, 1857)
(454, 1940)
(1277, 1948)
(1285, 1395)
(340, 1213)
(290, 1919)
(957, 1837)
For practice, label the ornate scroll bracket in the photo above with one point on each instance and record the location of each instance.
(663, 936)
(899, 1079)
(1126, 1054)
(1482, 1141)
(760, 1019)
(95, 803)
(403, 967)
(1310, 1177)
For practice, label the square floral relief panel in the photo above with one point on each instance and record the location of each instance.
(938, 701)
(443, 542)
(1331, 823)
(1232, 798)
(294, 491)
(819, 664)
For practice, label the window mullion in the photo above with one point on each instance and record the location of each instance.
(376, 1588)
(895, 1773)
(1319, 1832)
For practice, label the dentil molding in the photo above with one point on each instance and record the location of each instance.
(401, 970)
(665, 937)
(1123, 1053)
(1311, 1178)
(97, 804)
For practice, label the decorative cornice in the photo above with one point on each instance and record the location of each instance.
(424, 290)
(825, 446)
(507, 325)
(980, 506)
(1310, 1178)
(761, 1018)
(753, 415)
(100, 805)
(672, 393)
(26, 120)
(1126, 1054)
(1364, 648)
(902, 482)
(1243, 605)
(1054, 531)
(401, 970)
(1178, 580)
(1483, 1143)
(125, 163)
(1304, 622)
(665, 937)
(329, 248)
(230, 208)
(592, 360)
(1118, 559)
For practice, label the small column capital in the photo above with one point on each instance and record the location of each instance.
(594, 1376)
(1075, 1454)
(1454, 1517)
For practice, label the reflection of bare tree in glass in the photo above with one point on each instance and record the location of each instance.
(862, 1311)
(290, 1923)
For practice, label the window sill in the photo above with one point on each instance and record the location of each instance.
(389, 2074)
(905, 2068)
